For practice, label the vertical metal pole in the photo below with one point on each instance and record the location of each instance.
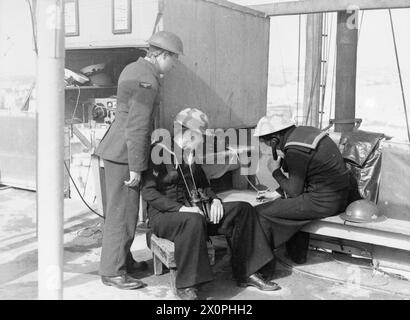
(345, 96)
(313, 66)
(400, 77)
(50, 147)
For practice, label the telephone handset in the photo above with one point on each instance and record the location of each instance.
(274, 145)
(275, 142)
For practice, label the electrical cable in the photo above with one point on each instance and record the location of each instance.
(79, 193)
(93, 230)
(340, 261)
(177, 166)
(315, 80)
(332, 90)
(374, 268)
(192, 175)
(88, 176)
(285, 264)
(33, 26)
(400, 78)
(298, 77)
(329, 32)
(76, 104)
(246, 177)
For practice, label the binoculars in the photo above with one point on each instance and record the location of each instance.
(202, 201)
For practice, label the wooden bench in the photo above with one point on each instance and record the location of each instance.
(163, 254)
(390, 233)
(386, 242)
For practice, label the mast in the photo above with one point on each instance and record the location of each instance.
(50, 147)
(346, 63)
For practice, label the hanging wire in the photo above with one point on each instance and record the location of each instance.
(192, 175)
(79, 193)
(333, 84)
(298, 80)
(177, 166)
(246, 177)
(399, 71)
(329, 32)
(361, 22)
(185, 182)
(315, 81)
(76, 104)
(33, 26)
(86, 181)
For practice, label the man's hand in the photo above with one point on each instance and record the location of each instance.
(273, 165)
(267, 195)
(191, 209)
(217, 211)
(135, 179)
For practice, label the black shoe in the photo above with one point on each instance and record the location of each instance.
(124, 282)
(136, 267)
(268, 271)
(257, 281)
(187, 294)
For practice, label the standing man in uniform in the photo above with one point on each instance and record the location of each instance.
(125, 152)
(317, 185)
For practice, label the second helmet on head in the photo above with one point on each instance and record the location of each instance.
(193, 119)
(167, 41)
(272, 124)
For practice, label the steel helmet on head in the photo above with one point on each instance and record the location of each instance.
(272, 124)
(167, 41)
(362, 211)
(193, 119)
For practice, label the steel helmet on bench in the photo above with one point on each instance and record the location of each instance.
(362, 211)
(272, 124)
(167, 41)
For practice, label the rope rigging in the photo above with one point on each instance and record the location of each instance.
(400, 77)
(298, 79)
(318, 77)
(329, 32)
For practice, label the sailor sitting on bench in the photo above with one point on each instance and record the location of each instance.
(317, 184)
(182, 208)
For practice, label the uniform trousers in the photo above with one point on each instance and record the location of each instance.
(189, 231)
(282, 218)
(120, 220)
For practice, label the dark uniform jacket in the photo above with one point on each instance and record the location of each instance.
(164, 190)
(314, 163)
(128, 138)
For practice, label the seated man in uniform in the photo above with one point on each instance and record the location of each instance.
(169, 189)
(316, 186)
